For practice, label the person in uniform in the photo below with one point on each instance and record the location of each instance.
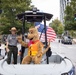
(12, 46)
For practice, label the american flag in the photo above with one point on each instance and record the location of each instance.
(51, 35)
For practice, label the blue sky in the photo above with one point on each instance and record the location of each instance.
(50, 6)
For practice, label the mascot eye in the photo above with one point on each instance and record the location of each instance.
(31, 32)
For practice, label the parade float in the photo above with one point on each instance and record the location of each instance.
(51, 64)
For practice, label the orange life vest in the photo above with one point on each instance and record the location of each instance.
(33, 48)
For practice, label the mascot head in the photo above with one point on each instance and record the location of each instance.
(33, 34)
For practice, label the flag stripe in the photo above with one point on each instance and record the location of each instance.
(51, 35)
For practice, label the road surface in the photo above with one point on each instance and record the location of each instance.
(65, 49)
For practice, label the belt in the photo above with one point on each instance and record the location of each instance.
(12, 46)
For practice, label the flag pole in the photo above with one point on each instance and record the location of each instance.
(46, 38)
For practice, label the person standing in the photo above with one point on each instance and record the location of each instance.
(12, 46)
(0, 49)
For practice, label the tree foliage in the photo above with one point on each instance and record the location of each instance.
(10, 8)
(57, 26)
(60, 29)
(70, 23)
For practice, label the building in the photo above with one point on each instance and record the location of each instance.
(63, 4)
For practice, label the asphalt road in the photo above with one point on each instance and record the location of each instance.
(66, 50)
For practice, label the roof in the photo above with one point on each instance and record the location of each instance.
(31, 16)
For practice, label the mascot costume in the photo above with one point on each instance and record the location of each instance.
(35, 47)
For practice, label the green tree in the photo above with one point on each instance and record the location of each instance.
(70, 23)
(10, 8)
(60, 29)
(57, 26)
